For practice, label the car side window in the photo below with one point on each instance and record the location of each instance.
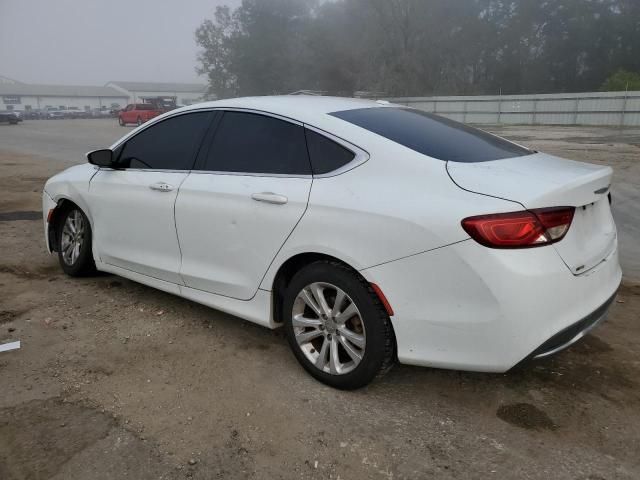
(254, 143)
(167, 145)
(325, 154)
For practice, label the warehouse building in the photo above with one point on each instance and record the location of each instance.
(16, 95)
(184, 93)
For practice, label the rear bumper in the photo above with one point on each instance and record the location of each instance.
(468, 307)
(570, 335)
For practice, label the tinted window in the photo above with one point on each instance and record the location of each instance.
(325, 154)
(432, 135)
(144, 106)
(170, 144)
(252, 143)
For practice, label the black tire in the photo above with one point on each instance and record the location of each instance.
(380, 350)
(84, 264)
(139, 121)
(121, 122)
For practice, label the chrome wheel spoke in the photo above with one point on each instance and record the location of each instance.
(348, 312)
(321, 361)
(301, 321)
(334, 359)
(306, 337)
(355, 338)
(318, 294)
(337, 304)
(308, 299)
(355, 356)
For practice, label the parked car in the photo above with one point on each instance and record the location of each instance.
(33, 114)
(74, 112)
(369, 231)
(18, 113)
(138, 113)
(100, 113)
(10, 117)
(56, 114)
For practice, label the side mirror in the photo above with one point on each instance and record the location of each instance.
(101, 158)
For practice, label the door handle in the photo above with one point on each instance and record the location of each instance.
(269, 197)
(161, 187)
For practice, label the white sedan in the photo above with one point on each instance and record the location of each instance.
(371, 232)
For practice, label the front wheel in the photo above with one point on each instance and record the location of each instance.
(337, 327)
(121, 122)
(139, 121)
(74, 243)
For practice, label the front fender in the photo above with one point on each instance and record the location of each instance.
(70, 185)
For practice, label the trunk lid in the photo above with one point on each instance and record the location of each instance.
(541, 180)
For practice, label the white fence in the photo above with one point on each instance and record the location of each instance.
(594, 108)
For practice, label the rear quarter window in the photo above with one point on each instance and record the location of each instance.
(432, 135)
(325, 154)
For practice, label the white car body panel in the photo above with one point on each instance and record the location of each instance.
(256, 310)
(134, 225)
(227, 238)
(535, 181)
(71, 184)
(395, 218)
(542, 180)
(460, 307)
(343, 218)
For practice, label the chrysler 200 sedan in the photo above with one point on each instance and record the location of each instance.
(369, 231)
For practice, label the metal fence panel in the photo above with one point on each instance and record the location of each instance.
(588, 108)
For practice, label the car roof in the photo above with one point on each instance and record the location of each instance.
(312, 110)
(304, 108)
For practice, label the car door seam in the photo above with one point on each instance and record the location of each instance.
(306, 207)
(446, 168)
(175, 226)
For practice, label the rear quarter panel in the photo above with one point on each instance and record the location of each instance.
(397, 204)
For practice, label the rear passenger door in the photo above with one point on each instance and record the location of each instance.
(234, 212)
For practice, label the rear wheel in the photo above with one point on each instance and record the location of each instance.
(337, 327)
(74, 243)
(139, 121)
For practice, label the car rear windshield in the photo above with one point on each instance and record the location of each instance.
(432, 135)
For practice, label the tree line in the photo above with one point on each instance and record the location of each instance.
(418, 47)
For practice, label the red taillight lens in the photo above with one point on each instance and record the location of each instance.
(529, 228)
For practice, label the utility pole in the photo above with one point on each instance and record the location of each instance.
(624, 105)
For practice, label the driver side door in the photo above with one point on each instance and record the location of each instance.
(133, 205)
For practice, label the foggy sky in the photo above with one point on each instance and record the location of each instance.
(89, 42)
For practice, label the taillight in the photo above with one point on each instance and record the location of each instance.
(525, 229)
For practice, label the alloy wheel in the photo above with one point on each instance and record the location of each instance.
(72, 237)
(328, 328)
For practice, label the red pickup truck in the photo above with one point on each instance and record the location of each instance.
(138, 113)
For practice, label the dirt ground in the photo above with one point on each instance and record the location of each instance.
(116, 380)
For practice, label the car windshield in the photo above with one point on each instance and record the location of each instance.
(432, 135)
